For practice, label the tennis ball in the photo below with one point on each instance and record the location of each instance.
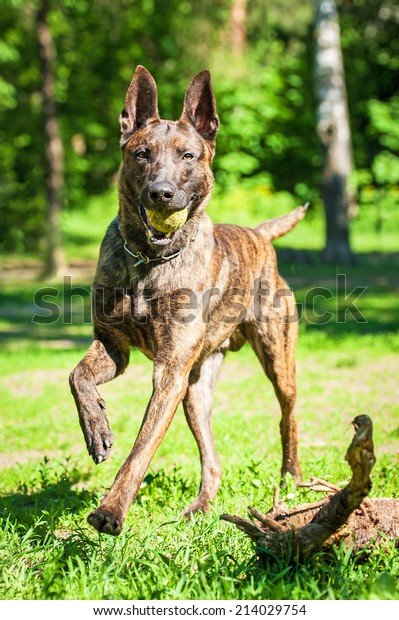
(167, 221)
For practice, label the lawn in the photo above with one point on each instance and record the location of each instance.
(348, 364)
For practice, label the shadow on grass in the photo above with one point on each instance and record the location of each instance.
(374, 263)
(56, 339)
(44, 495)
(338, 300)
(356, 300)
(56, 316)
(375, 312)
(44, 527)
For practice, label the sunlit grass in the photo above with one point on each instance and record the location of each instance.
(346, 366)
(49, 483)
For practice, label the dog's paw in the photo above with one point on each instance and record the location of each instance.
(97, 433)
(99, 444)
(198, 505)
(294, 472)
(106, 521)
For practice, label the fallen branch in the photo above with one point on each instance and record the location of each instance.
(344, 515)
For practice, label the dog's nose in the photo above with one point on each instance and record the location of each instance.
(161, 190)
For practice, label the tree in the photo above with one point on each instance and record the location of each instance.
(334, 130)
(53, 145)
(264, 96)
(238, 28)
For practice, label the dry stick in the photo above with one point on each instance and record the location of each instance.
(300, 531)
(336, 511)
(272, 524)
(316, 484)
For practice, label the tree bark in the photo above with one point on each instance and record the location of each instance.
(238, 27)
(334, 130)
(55, 260)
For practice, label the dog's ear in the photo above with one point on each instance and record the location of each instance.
(200, 107)
(141, 103)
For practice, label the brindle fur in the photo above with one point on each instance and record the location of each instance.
(224, 271)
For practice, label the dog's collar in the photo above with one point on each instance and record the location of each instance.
(143, 258)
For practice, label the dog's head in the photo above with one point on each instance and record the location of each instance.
(166, 164)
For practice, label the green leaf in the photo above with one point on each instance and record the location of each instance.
(384, 587)
(386, 168)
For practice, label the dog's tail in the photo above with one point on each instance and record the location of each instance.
(279, 226)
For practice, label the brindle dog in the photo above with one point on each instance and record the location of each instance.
(183, 299)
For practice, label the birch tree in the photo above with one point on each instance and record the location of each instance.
(53, 145)
(334, 131)
(238, 26)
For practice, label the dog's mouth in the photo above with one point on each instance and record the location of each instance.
(155, 236)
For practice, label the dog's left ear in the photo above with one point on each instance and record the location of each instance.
(141, 104)
(200, 107)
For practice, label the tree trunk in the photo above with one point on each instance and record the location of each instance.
(55, 260)
(334, 130)
(238, 26)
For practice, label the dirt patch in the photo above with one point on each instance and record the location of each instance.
(31, 383)
(25, 456)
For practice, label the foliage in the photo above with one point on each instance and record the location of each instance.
(370, 46)
(264, 99)
(384, 118)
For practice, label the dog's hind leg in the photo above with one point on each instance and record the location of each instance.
(197, 407)
(101, 363)
(274, 344)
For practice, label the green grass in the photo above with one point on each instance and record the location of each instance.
(348, 364)
(49, 484)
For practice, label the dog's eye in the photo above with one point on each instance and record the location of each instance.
(141, 155)
(188, 156)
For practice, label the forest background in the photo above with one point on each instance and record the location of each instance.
(269, 154)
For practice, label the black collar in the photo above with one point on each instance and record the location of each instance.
(143, 258)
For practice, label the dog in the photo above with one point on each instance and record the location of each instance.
(183, 298)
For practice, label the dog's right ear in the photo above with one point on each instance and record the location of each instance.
(141, 104)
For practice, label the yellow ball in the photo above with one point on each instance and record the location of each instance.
(167, 221)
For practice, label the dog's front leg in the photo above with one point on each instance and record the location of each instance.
(101, 363)
(170, 385)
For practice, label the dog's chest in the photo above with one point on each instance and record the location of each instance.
(139, 300)
(158, 287)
